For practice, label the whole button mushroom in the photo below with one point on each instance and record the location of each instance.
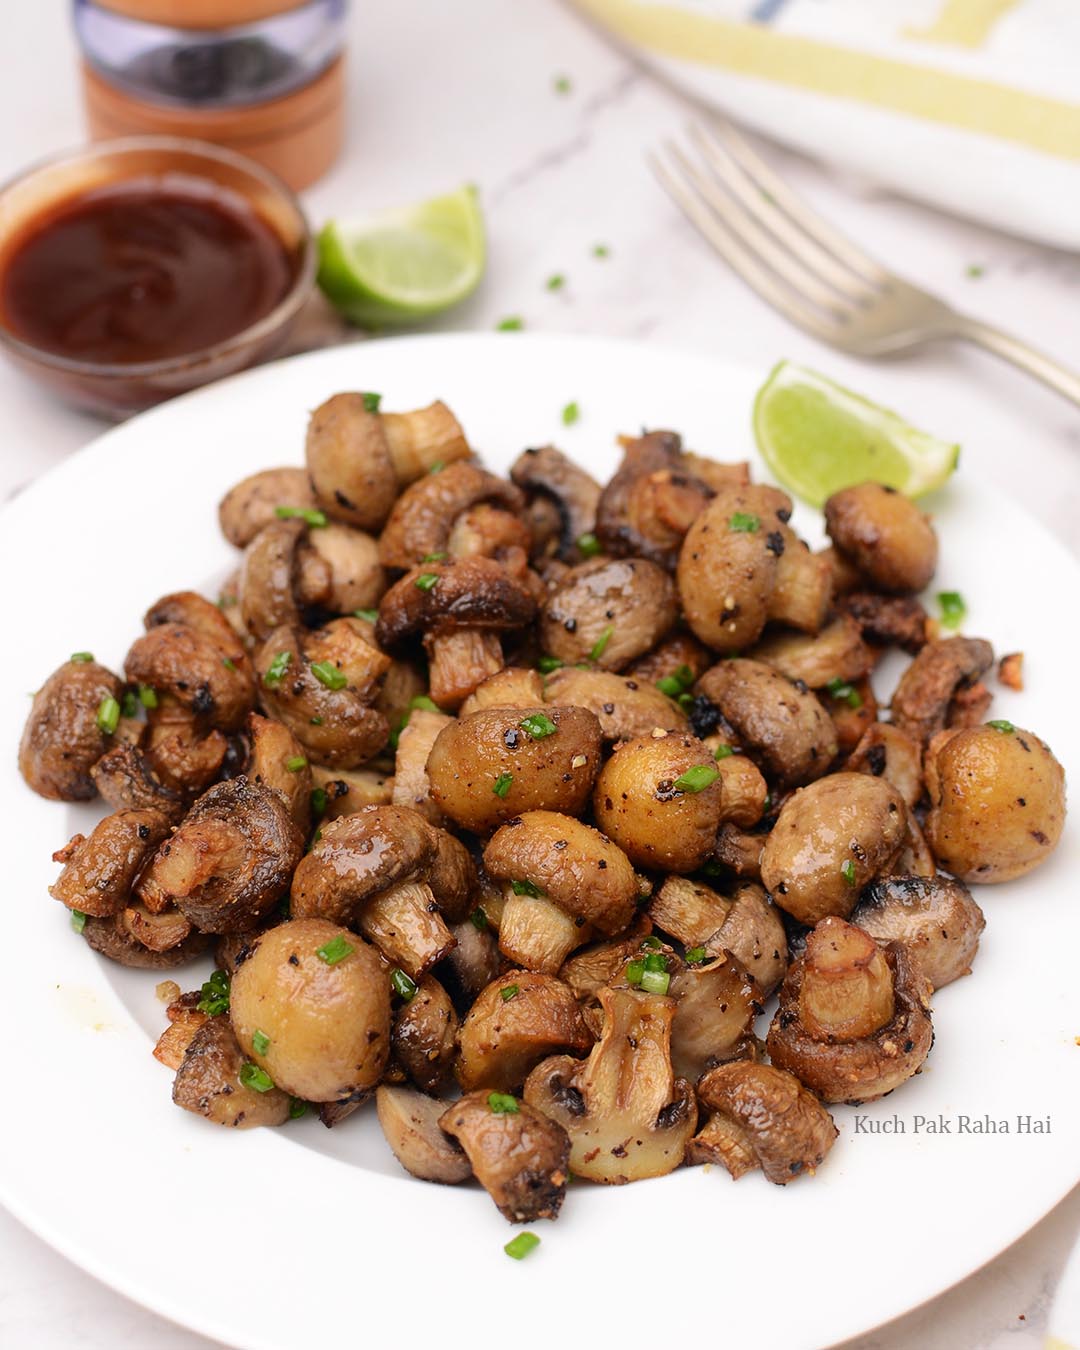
(518, 1020)
(69, 728)
(608, 611)
(935, 917)
(100, 870)
(254, 502)
(210, 1082)
(829, 841)
(549, 474)
(659, 797)
(625, 707)
(458, 608)
(884, 534)
(997, 801)
(422, 523)
(562, 878)
(359, 459)
(921, 701)
(310, 1006)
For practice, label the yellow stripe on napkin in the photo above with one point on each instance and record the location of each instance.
(954, 100)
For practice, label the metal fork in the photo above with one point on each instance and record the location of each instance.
(809, 271)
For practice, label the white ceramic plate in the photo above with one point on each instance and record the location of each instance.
(303, 1235)
(1064, 1329)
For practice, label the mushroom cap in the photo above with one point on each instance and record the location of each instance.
(921, 701)
(517, 1021)
(359, 856)
(410, 1122)
(885, 534)
(99, 870)
(349, 463)
(111, 937)
(253, 502)
(625, 707)
(423, 516)
(472, 592)
(608, 610)
(62, 740)
(574, 865)
(935, 917)
(267, 576)
(549, 473)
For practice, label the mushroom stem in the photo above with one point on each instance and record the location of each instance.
(420, 439)
(847, 990)
(405, 924)
(536, 933)
(459, 662)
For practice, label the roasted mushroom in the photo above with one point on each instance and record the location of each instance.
(113, 938)
(747, 925)
(255, 502)
(421, 527)
(548, 473)
(608, 611)
(761, 1117)
(921, 702)
(410, 1123)
(837, 653)
(627, 1115)
(424, 1035)
(69, 728)
(854, 1020)
(100, 870)
(884, 534)
(276, 760)
(412, 787)
(126, 780)
(517, 1021)
(511, 687)
(935, 917)
(624, 707)
(211, 1082)
(884, 751)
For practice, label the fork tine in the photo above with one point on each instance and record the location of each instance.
(755, 236)
(739, 258)
(767, 213)
(768, 181)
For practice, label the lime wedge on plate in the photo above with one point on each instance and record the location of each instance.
(818, 437)
(399, 265)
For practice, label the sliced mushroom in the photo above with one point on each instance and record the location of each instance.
(609, 611)
(518, 1020)
(229, 861)
(780, 725)
(548, 473)
(424, 1036)
(208, 1082)
(884, 751)
(884, 534)
(627, 1115)
(763, 1117)
(853, 1021)
(568, 877)
(64, 734)
(410, 1124)
(422, 520)
(100, 870)
(836, 653)
(920, 704)
(112, 938)
(459, 607)
(625, 707)
(934, 917)
(254, 502)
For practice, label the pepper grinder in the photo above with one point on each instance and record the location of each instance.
(263, 77)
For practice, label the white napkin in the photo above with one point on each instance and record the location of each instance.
(971, 105)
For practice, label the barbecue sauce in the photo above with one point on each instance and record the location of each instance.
(142, 270)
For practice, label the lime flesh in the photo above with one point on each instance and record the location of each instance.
(405, 264)
(818, 437)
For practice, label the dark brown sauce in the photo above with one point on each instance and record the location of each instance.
(141, 271)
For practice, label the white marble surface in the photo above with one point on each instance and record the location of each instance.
(446, 93)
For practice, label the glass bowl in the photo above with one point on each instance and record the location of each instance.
(119, 389)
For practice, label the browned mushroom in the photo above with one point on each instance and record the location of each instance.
(349, 790)
(884, 534)
(889, 620)
(113, 938)
(423, 1036)
(421, 526)
(410, 1123)
(518, 1020)
(762, 1117)
(625, 707)
(838, 652)
(853, 1021)
(126, 781)
(276, 760)
(548, 473)
(512, 687)
(920, 704)
(67, 730)
(100, 870)
(459, 608)
(627, 1115)
(747, 925)
(268, 578)
(412, 787)
(609, 611)
(255, 501)
(887, 752)
(209, 1083)
(934, 917)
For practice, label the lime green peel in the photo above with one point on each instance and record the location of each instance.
(818, 437)
(406, 264)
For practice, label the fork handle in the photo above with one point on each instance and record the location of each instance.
(1056, 377)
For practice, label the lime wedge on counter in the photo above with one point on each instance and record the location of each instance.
(818, 437)
(404, 264)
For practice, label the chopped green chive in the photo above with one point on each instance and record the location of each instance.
(975, 270)
(562, 84)
(744, 523)
(328, 674)
(226, 601)
(635, 971)
(438, 466)
(402, 985)
(509, 991)
(426, 704)
(251, 1076)
(1002, 725)
(511, 324)
(556, 282)
(847, 871)
(108, 715)
(503, 1104)
(501, 786)
(228, 663)
(435, 557)
(368, 615)
(130, 705)
(318, 802)
(78, 920)
(371, 402)
(695, 956)
(953, 609)
(147, 696)
(651, 944)
(600, 645)
(538, 725)
(337, 949)
(697, 778)
(676, 685)
(840, 689)
(81, 658)
(315, 721)
(588, 545)
(655, 981)
(297, 1108)
(479, 920)
(260, 1042)
(215, 995)
(724, 752)
(525, 888)
(426, 581)
(547, 664)
(571, 413)
(656, 962)
(601, 251)
(519, 1247)
(315, 519)
(295, 763)
(275, 671)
